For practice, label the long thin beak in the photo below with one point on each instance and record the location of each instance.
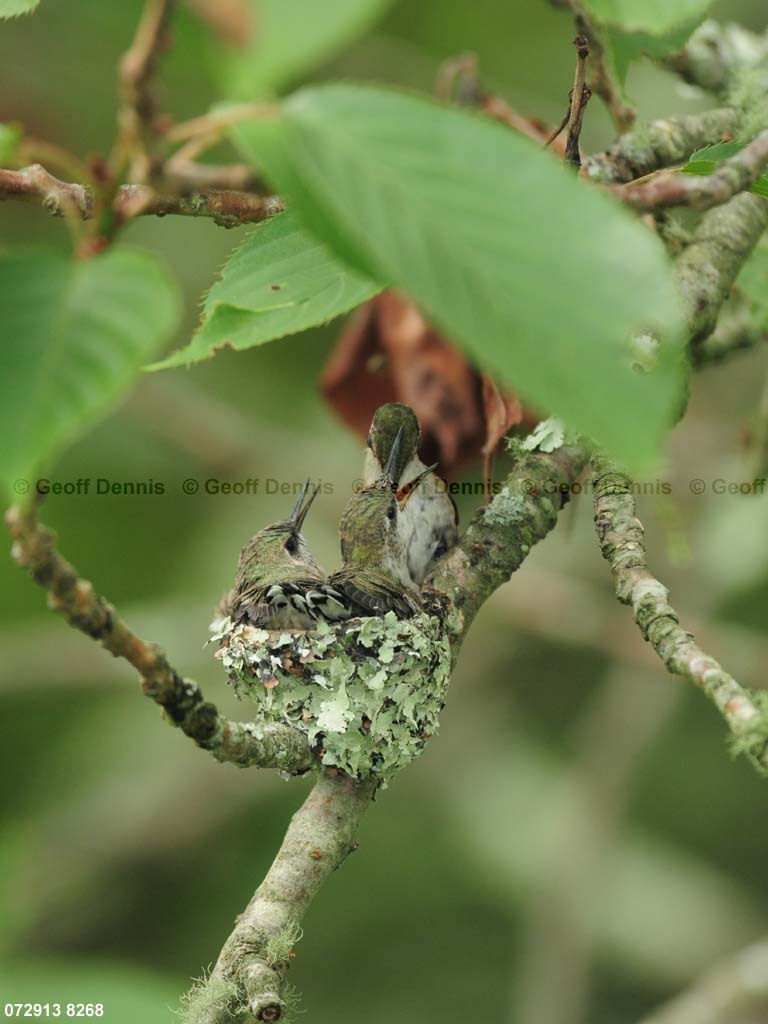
(296, 510)
(388, 475)
(405, 492)
(303, 513)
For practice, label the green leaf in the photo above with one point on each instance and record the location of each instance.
(540, 276)
(657, 17)
(75, 335)
(10, 137)
(290, 37)
(704, 161)
(623, 47)
(280, 281)
(13, 8)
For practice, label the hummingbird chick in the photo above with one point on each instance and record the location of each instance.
(279, 584)
(430, 517)
(375, 535)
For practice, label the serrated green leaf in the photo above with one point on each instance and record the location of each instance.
(541, 277)
(13, 8)
(656, 17)
(280, 281)
(75, 335)
(290, 37)
(10, 136)
(704, 161)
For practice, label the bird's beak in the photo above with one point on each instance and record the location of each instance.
(302, 514)
(293, 517)
(388, 475)
(405, 492)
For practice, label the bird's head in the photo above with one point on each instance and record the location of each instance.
(373, 529)
(388, 421)
(281, 544)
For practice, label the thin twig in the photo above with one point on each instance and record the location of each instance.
(579, 97)
(133, 148)
(227, 207)
(621, 538)
(241, 743)
(700, 192)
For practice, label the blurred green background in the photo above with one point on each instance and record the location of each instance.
(577, 844)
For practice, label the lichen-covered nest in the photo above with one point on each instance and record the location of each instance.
(367, 693)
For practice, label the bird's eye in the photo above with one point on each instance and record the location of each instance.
(391, 512)
(292, 544)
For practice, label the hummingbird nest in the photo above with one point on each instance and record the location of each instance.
(366, 692)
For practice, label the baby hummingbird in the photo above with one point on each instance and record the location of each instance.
(375, 533)
(276, 586)
(430, 518)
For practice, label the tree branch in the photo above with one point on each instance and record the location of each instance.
(228, 208)
(715, 53)
(736, 331)
(725, 994)
(708, 266)
(242, 743)
(700, 192)
(136, 70)
(246, 982)
(501, 534)
(621, 538)
(658, 144)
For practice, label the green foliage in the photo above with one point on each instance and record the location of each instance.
(357, 690)
(279, 282)
(705, 161)
(658, 17)
(13, 8)
(624, 47)
(290, 37)
(538, 275)
(75, 337)
(10, 136)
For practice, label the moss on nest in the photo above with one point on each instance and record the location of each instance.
(367, 692)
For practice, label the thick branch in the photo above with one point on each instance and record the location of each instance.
(707, 268)
(659, 144)
(700, 192)
(715, 53)
(502, 533)
(737, 331)
(241, 743)
(622, 543)
(228, 208)
(246, 982)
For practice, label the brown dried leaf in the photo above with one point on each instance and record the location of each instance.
(390, 353)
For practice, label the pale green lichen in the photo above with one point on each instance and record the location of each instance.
(367, 693)
(279, 948)
(207, 995)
